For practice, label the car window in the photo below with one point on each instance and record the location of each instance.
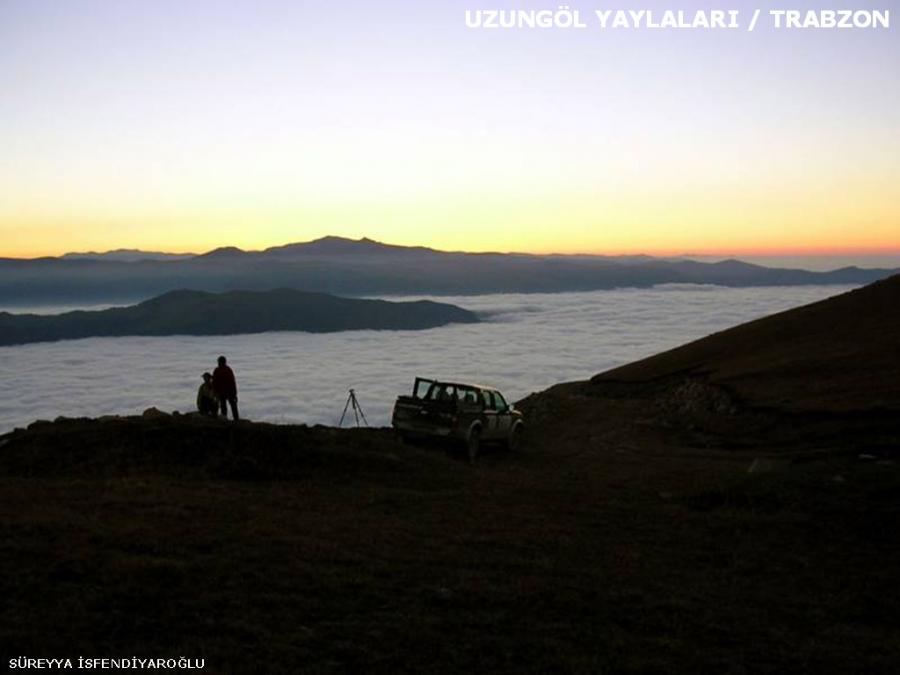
(444, 393)
(500, 401)
(489, 400)
(422, 388)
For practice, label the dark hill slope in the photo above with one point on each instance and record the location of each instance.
(842, 353)
(232, 313)
(820, 379)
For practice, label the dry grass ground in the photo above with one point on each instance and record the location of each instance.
(603, 550)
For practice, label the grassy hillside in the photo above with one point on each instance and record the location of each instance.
(839, 354)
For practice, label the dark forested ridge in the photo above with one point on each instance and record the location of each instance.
(235, 312)
(366, 267)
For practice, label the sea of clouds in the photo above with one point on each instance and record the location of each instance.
(525, 344)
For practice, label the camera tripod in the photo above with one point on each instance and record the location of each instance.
(357, 410)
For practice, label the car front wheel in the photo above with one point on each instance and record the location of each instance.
(514, 442)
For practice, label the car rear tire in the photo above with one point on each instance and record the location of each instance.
(474, 443)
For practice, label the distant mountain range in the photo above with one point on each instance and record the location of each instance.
(367, 267)
(127, 255)
(232, 313)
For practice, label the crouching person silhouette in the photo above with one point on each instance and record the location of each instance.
(207, 400)
(226, 388)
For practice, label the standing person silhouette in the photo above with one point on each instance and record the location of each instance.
(226, 388)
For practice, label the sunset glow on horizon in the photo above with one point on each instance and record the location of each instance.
(183, 127)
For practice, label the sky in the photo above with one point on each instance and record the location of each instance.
(183, 126)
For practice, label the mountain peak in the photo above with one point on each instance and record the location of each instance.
(223, 252)
(333, 245)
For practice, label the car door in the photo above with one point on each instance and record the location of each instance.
(503, 416)
(489, 428)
